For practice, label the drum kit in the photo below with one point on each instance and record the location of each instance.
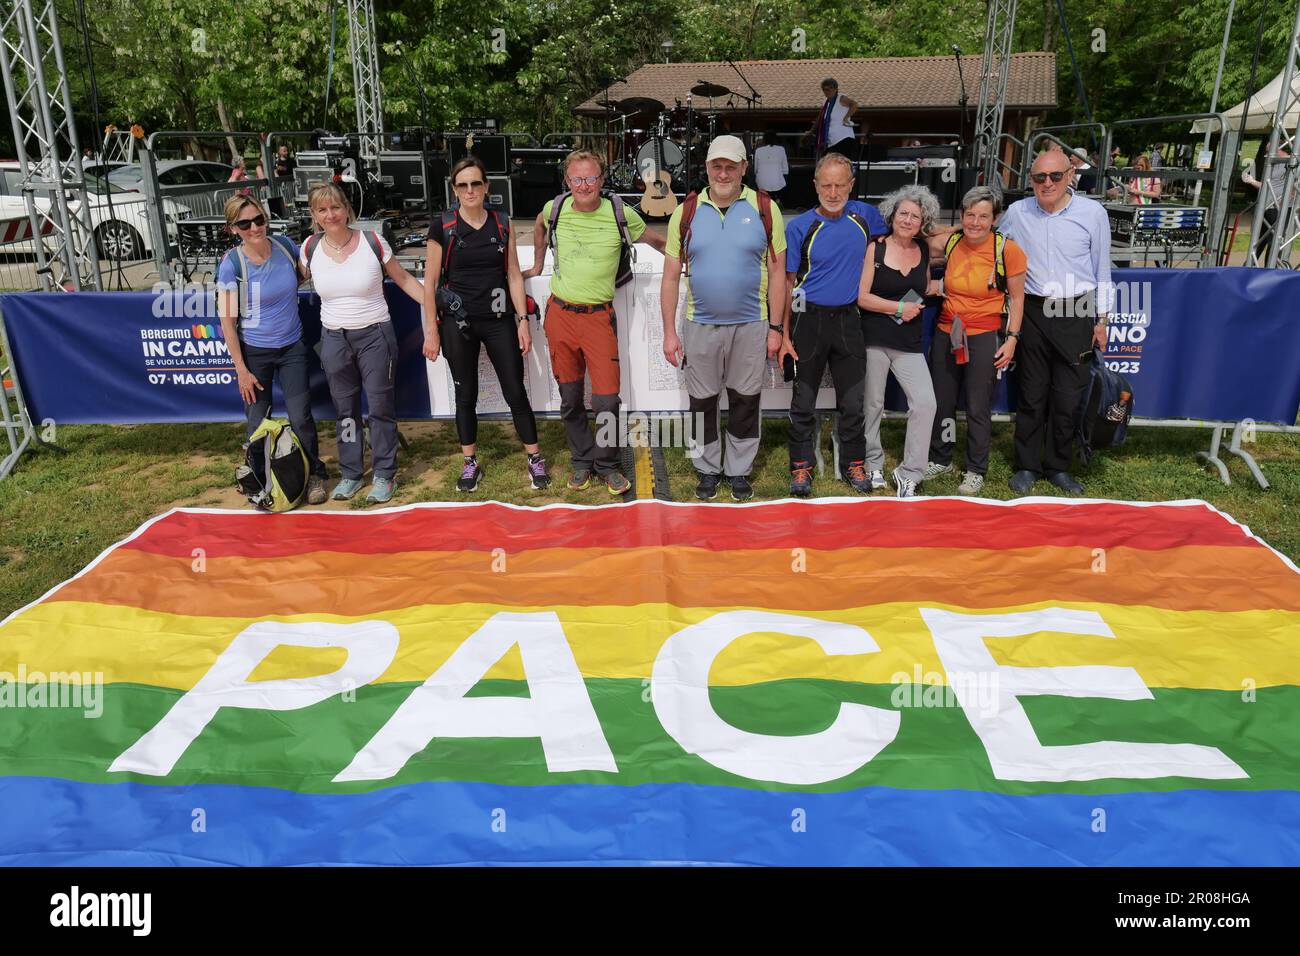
(651, 143)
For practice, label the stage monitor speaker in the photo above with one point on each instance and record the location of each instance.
(408, 174)
(879, 179)
(493, 150)
(500, 195)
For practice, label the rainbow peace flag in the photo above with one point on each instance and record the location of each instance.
(874, 681)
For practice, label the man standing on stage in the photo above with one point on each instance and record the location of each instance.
(580, 321)
(734, 254)
(1066, 237)
(833, 131)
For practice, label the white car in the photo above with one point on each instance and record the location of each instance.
(122, 230)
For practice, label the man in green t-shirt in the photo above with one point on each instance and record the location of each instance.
(580, 322)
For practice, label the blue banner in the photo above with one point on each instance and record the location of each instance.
(1218, 344)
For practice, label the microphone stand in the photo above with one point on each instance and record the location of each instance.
(751, 100)
(962, 102)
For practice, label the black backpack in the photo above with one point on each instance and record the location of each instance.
(1105, 408)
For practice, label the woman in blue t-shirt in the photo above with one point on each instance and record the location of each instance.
(258, 305)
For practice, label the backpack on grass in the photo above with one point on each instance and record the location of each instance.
(1105, 408)
(275, 470)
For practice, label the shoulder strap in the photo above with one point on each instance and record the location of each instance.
(616, 201)
(241, 281)
(282, 243)
(309, 247)
(880, 251)
(1000, 260)
(951, 244)
(372, 238)
(765, 213)
(557, 205)
(449, 219)
(689, 205)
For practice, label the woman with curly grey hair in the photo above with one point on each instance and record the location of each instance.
(895, 276)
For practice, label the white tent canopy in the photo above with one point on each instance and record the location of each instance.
(1262, 106)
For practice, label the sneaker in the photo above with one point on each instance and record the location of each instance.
(741, 489)
(382, 490)
(579, 479)
(971, 484)
(801, 479)
(316, 490)
(934, 470)
(857, 477)
(537, 473)
(906, 486)
(346, 489)
(707, 489)
(878, 481)
(470, 475)
(616, 483)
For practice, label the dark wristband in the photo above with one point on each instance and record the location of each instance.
(776, 328)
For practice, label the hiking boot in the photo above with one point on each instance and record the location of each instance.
(347, 489)
(741, 489)
(857, 477)
(878, 480)
(906, 486)
(971, 484)
(382, 491)
(934, 470)
(579, 479)
(616, 483)
(1065, 481)
(707, 489)
(537, 474)
(470, 475)
(801, 479)
(316, 490)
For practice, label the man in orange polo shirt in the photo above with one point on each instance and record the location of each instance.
(966, 344)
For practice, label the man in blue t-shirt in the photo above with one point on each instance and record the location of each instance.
(735, 297)
(825, 250)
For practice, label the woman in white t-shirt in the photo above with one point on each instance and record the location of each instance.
(358, 345)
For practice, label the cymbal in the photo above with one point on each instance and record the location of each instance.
(640, 104)
(709, 89)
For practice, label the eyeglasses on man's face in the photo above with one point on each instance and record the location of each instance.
(250, 223)
(1040, 178)
(576, 181)
(472, 184)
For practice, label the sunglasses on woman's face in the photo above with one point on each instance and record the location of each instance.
(1040, 178)
(472, 184)
(250, 223)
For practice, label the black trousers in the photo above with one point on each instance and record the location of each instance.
(828, 336)
(1052, 362)
(291, 367)
(501, 339)
(979, 376)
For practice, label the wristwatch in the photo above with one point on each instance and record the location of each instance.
(1013, 335)
(520, 318)
(776, 328)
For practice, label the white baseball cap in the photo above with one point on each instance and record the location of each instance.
(727, 147)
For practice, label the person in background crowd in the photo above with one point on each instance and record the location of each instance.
(833, 130)
(1142, 190)
(966, 348)
(1066, 239)
(1275, 175)
(895, 277)
(735, 299)
(771, 166)
(580, 322)
(284, 163)
(1156, 159)
(825, 250)
(483, 257)
(238, 170)
(1085, 178)
(258, 305)
(358, 344)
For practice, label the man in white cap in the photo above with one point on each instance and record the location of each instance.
(735, 305)
(1080, 166)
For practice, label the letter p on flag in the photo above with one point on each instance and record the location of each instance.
(371, 647)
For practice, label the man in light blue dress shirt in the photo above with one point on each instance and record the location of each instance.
(1066, 237)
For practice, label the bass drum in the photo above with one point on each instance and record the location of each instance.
(669, 152)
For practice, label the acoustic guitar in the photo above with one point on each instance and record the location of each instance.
(659, 198)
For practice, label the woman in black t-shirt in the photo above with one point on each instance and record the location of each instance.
(471, 282)
(895, 276)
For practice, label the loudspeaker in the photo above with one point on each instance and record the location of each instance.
(406, 173)
(500, 196)
(493, 150)
(879, 179)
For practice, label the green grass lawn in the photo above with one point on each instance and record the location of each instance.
(57, 512)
